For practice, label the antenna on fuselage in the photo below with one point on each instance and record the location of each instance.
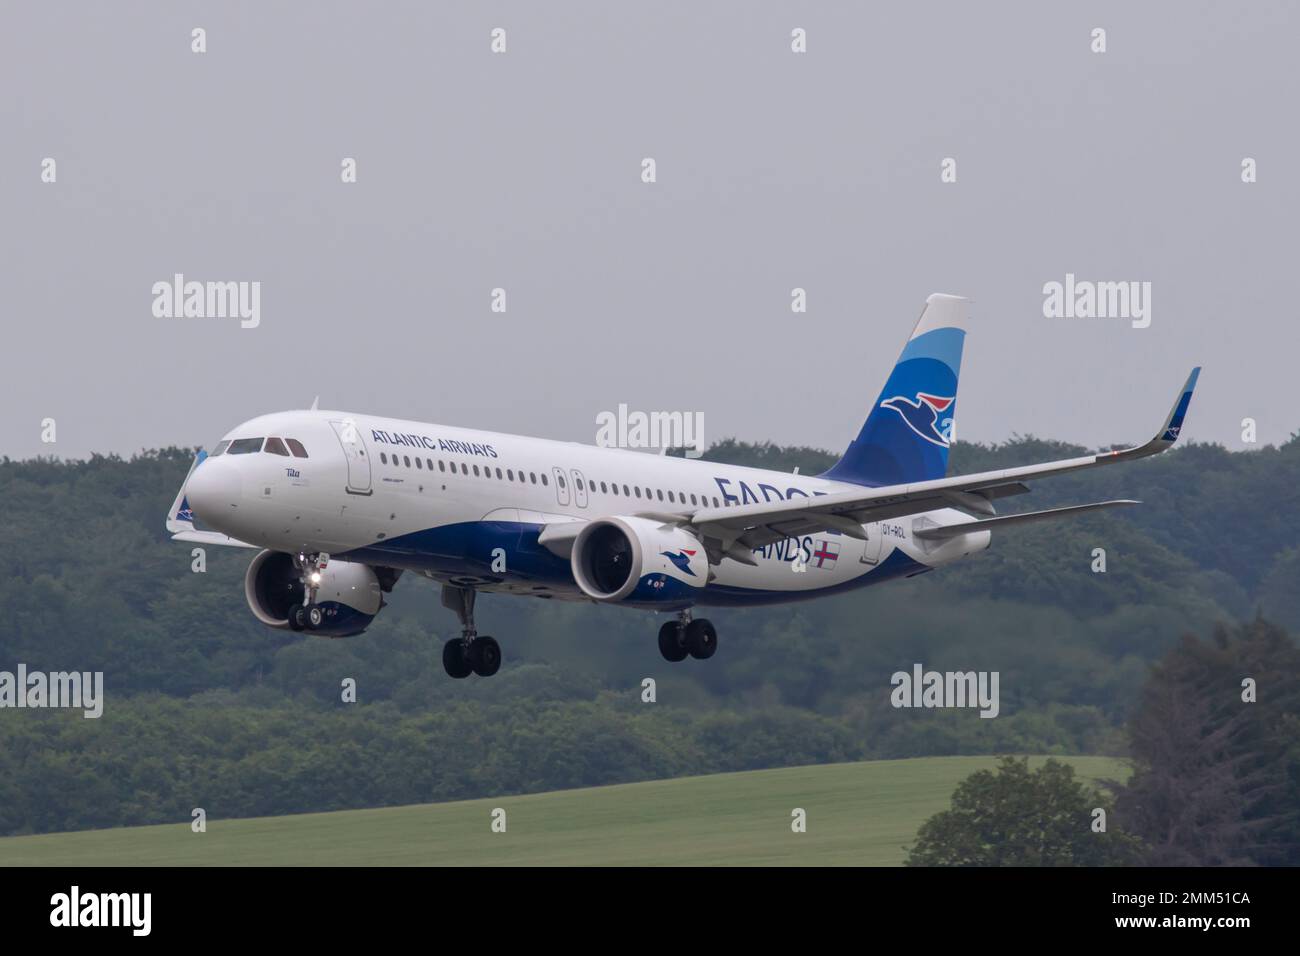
(314, 402)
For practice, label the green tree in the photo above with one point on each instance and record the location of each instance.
(1015, 816)
(1217, 781)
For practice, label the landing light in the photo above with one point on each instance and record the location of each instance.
(315, 577)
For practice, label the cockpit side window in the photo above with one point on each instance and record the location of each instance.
(244, 446)
(220, 448)
(276, 447)
(295, 446)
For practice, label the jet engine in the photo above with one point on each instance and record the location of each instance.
(639, 561)
(349, 594)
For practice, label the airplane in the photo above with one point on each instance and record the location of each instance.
(341, 505)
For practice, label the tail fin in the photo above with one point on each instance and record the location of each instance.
(908, 429)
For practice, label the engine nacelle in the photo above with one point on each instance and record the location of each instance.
(639, 561)
(348, 593)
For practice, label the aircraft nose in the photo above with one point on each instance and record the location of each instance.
(214, 490)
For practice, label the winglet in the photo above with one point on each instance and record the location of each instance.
(1169, 431)
(1174, 424)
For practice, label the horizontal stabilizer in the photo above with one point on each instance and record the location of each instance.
(1008, 521)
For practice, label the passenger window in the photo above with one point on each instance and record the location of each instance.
(579, 482)
(383, 457)
(499, 474)
(614, 489)
(442, 465)
(428, 463)
(603, 489)
(715, 501)
(692, 499)
(660, 493)
(221, 447)
(407, 459)
(627, 493)
(670, 496)
(476, 471)
(276, 447)
(244, 446)
(532, 476)
(638, 491)
(295, 446)
(560, 479)
(544, 481)
(419, 464)
(463, 469)
(510, 474)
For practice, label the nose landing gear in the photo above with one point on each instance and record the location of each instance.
(469, 653)
(308, 615)
(684, 636)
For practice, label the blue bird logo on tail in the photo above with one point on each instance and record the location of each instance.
(922, 415)
(681, 560)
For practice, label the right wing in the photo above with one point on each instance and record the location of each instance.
(738, 530)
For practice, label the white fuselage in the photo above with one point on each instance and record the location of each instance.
(465, 506)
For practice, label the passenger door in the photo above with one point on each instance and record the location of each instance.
(354, 448)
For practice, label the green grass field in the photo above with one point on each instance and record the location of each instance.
(858, 813)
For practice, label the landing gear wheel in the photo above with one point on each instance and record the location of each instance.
(297, 617)
(453, 659)
(484, 656)
(672, 642)
(701, 639)
(315, 616)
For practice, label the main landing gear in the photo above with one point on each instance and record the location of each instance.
(469, 653)
(684, 636)
(309, 615)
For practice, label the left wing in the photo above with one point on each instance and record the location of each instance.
(738, 530)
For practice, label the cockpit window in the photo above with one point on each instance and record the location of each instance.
(295, 446)
(220, 448)
(245, 446)
(276, 447)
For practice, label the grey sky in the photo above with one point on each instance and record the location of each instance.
(522, 170)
